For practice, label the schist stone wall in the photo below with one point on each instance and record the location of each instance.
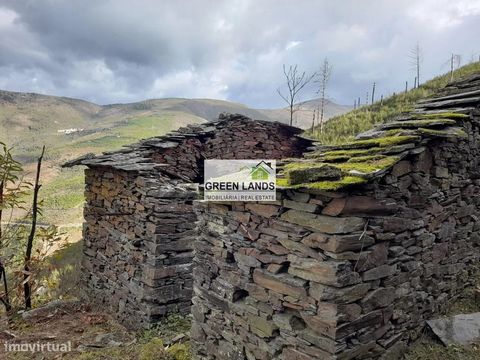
(349, 274)
(139, 223)
(138, 236)
(346, 272)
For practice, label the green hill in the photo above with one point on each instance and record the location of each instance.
(28, 121)
(344, 127)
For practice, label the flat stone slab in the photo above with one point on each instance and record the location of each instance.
(460, 329)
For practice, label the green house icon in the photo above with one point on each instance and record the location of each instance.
(259, 172)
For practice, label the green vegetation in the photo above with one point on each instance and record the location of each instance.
(449, 132)
(427, 349)
(343, 128)
(447, 115)
(328, 185)
(418, 123)
(370, 165)
(381, 142)
(62, 189)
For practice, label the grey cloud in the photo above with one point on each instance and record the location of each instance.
(119, 50)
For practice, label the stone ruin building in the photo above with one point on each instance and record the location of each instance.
(140, 229)
(365, 242)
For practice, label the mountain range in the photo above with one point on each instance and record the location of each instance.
(29, 120)
(71, 127)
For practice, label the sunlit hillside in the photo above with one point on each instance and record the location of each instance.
(346, 126)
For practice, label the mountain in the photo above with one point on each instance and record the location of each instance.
(303, 116)
(71, 126)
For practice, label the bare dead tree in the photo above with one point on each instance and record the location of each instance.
(313, 119)
(295, 83)
(455, 61)
(28, 254)
(373, 93)
(416, 60)
(325, 73)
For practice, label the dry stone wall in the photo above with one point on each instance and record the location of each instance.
(139, 221)
(340, 275)
(138, 245)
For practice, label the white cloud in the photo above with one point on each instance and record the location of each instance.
(190, 84)
(292, 44)
(443, 14)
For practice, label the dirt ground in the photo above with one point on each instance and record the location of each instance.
(77, 325)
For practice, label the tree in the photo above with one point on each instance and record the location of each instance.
(12, 188)
(28, 254)
(25, 268)
(295, 83)
(324, 77)
(416, 59)
(455, 61)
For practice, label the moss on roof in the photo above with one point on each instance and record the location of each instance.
(326, 185)
(418, 123)
(450, 132)
(443, 115)
(382, 142)
(336, 167)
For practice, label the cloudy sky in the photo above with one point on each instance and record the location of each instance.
(110, 51)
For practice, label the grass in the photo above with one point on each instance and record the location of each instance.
(428, 348)
(62, 189)
(343, 128)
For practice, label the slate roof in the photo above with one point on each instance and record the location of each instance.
(137, 157)
(373, 153)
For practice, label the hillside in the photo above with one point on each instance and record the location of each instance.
(344, 127)
(71, 127)
(30, 120)
(303, 117)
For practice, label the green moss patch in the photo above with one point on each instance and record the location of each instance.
(282, 182)
(379, 142)
(366, 158)
(341, 155)
(352, 153)
(328, 185)
(450, 132)
(335, 185)
(369, 167)
(419, 123)
(303, 172)
(444, 115)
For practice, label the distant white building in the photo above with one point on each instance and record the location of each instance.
(69, 131)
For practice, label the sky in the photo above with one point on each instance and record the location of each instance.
(112, 51)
